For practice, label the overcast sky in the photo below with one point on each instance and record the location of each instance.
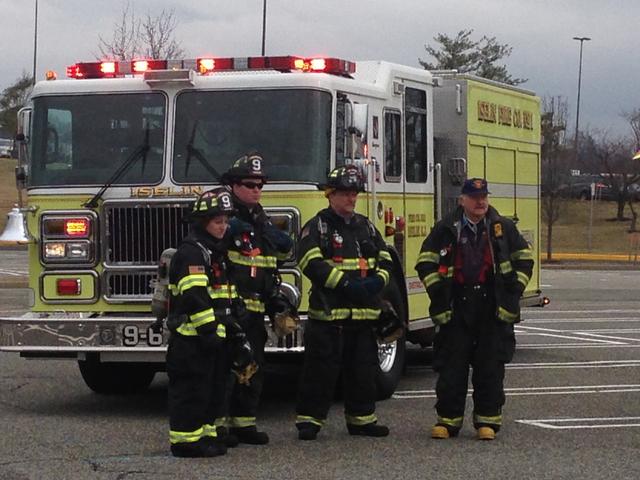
(540, 32)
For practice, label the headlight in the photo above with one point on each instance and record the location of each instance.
(68, 237)
(54, 250)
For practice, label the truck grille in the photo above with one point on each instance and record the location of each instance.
(136, 235)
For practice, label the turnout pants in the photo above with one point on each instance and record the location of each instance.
(328, 347)
(194, 389)
(244, 399)
(474, 337)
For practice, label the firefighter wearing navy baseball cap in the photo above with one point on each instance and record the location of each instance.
(474, 265)
(257, 247)
(204, 311)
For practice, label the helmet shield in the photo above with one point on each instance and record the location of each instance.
(348, 177)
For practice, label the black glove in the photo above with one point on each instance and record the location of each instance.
(277, 238)
(354, 289)
(238, 227)
(238, 307)
(235, 333)
(374, 284)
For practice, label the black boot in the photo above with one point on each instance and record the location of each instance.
(201, 448)
(368, 430)
(226, 438)
(307, 430)
(250, 435)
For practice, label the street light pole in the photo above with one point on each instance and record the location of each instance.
(575, 141)
(35, 42)
(264, 24)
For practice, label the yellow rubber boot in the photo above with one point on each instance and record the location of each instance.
(486, 433)
(439, 432)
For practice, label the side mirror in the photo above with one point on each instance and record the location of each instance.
(22, 144)
(360, 118)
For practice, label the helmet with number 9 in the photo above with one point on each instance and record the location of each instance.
(213, 203)
(248, 166)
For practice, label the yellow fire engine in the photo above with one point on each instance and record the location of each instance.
(112, 157)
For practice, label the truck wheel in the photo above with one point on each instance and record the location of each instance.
(116, 378)
(391, 356)
(391, 362)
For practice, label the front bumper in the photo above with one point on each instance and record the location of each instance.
(121, 338)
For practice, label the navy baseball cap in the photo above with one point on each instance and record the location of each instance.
(475, 186)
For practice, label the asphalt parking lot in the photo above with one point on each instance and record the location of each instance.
(573, 410)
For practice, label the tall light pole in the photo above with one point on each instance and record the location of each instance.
(35, 42)
(264, 24)
(575, 141)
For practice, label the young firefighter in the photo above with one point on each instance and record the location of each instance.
(345, 258)
(256, 247)
(203, 309)
(475, 266)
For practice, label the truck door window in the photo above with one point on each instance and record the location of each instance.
(392, 146)
(416, 135)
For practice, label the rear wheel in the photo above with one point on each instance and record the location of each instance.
(116, 378)
(391, 356)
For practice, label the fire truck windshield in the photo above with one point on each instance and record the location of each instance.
(290, 128)
(83, 139)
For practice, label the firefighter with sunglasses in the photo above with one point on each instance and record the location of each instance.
(257, 247)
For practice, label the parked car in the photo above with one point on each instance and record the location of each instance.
(6, 147)
(581, 189)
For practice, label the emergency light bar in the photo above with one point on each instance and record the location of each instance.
(209, 65)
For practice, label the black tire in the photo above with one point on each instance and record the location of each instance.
(586, 195)
(392, 356)
(116, 378)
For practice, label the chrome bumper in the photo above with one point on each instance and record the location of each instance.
(126, 338)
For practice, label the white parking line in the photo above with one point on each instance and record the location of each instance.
(587, 364)
(13, 273)
(582, 423)
(614, 310)
(552, 346)
(528, 321)
(532, 391)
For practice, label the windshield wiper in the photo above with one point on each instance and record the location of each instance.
(195, 152)
(140, 151)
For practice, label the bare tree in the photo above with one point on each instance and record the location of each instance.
(553, 168)
(12, 99)
(620, 171)
(124, 44)
(157, 35)
(633, 118)
(151, 37)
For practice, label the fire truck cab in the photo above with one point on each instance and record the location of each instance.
(112, 158)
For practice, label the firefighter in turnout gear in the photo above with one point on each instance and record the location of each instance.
(348, 264)
(474, 265)
(203, 308)
(256, 247)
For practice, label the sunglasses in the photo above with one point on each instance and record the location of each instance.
(252, 185)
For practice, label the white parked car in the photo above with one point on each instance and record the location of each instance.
(6, 147)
